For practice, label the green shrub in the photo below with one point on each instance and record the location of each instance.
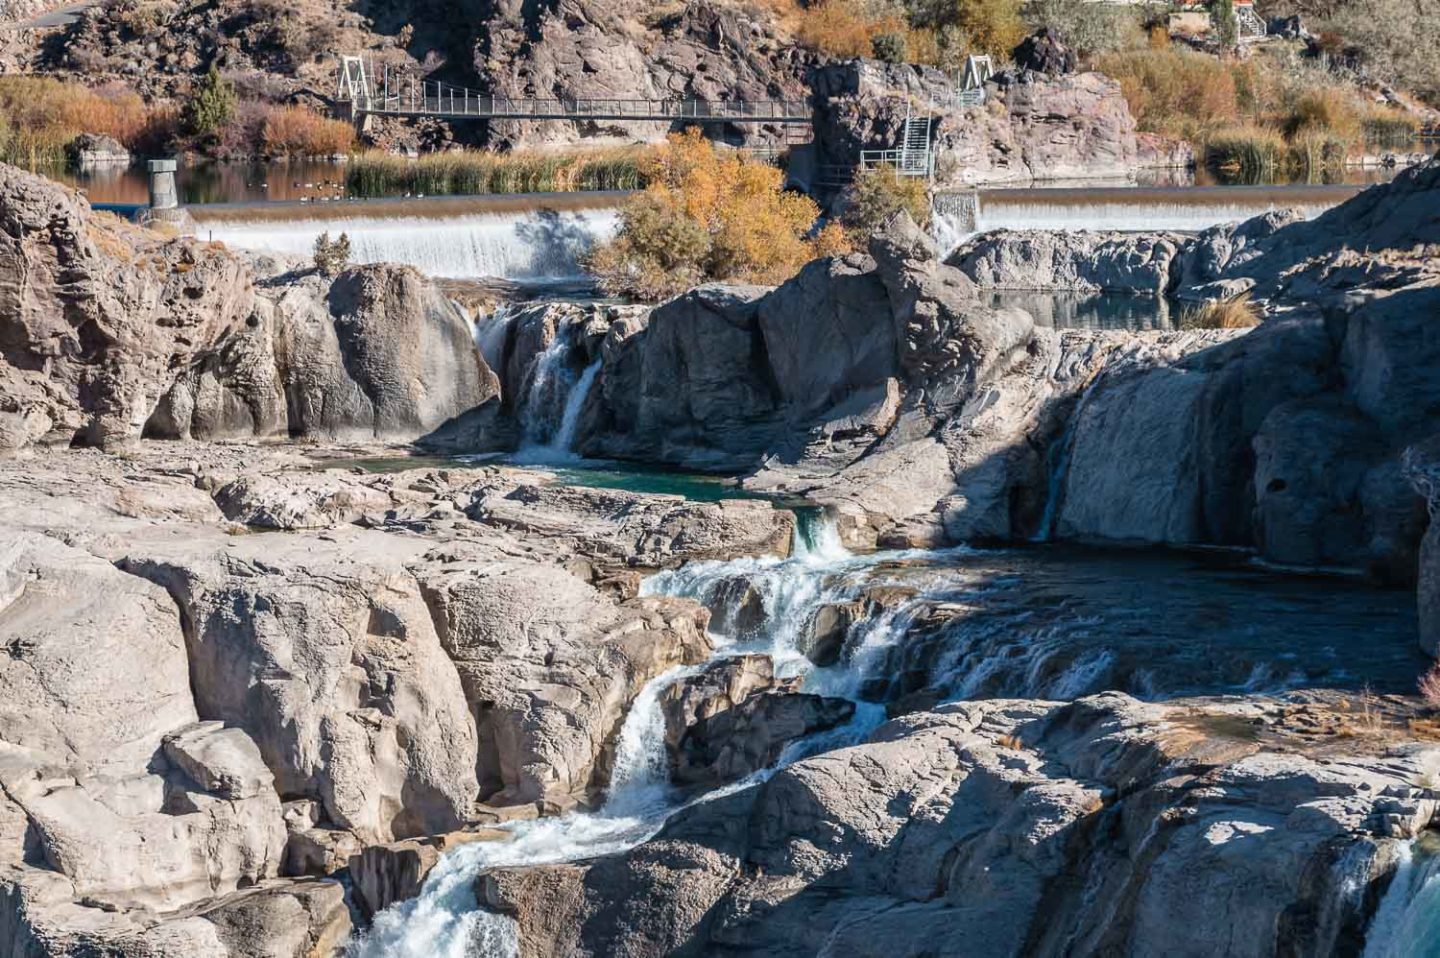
(1249, 152)
(210, 106)
(889, 47)
(878, 193)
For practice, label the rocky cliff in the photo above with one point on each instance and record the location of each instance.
(1031, 126)
(884, 386)
(109, 333)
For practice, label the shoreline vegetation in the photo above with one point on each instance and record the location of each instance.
(1255, 118)
(376, 173)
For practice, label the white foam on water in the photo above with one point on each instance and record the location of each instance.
(491, 332)
(1407, 923)
(1121, 215)
(503, 245)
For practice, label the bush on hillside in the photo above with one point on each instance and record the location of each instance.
(1090, 28)
(708, 215)
(211, 105)
(879, 193)
(889, 47)
(993, 26)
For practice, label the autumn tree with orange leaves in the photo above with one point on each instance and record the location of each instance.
(706, 215)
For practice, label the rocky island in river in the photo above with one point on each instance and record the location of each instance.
(995, 642)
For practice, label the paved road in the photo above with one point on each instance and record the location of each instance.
(60, 17)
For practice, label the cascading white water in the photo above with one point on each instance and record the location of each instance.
(1407, 923)
(505, 245)
(550, 385)
(491, 332)
(445, 921)
(1115, 213)
(563, 442)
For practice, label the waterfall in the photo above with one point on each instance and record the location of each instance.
(817, 539)
(550, 383)
(1407, 923)
(564, 439)
(445, 921)
(490, 334)
(1143, 209)
(541, 245)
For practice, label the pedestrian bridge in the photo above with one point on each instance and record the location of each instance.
(365, 94)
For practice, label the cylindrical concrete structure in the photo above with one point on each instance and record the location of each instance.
(163, 194)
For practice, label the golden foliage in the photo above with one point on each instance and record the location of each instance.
(1237, 313)
(40, 116)
(706, 215)
(1254, 114)
(299, 131)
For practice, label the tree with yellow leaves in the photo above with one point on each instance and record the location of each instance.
(709, 215)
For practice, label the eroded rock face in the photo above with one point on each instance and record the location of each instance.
(735, 717)
(109, 332)
(242, 668)
(983, 823)
(705, 51)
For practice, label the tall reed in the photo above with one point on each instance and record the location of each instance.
(375, 173)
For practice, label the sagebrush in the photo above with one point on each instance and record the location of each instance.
(709, 214)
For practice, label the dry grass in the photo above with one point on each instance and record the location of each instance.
(298, 131)
(1237, 313)
(376, 173)
(40, 116)
(1254, 116)
(1430, 686)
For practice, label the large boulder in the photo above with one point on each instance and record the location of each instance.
(735, 717)
(548, 667)
(109, 332)
(330, 661)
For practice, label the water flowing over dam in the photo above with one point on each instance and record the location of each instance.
(545, 237)
(538, 239)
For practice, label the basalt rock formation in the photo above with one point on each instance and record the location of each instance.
(949, 420)
(109, 333)
(1002, 828)
(230, 673)
(1031, 127)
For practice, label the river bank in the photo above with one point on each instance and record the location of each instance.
(486, 707)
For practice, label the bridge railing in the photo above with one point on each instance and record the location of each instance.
(458, 102)
(903, 162)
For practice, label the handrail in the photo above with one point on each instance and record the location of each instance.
(450, 101)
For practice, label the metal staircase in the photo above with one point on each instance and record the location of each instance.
(1248, 22)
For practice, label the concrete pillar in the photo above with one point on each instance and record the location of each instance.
(164, 197)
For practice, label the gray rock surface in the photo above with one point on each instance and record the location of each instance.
(735, 717)
(198, 631)
(109, 332)
(1008, 828)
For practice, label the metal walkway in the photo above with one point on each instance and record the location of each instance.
(367, 94)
